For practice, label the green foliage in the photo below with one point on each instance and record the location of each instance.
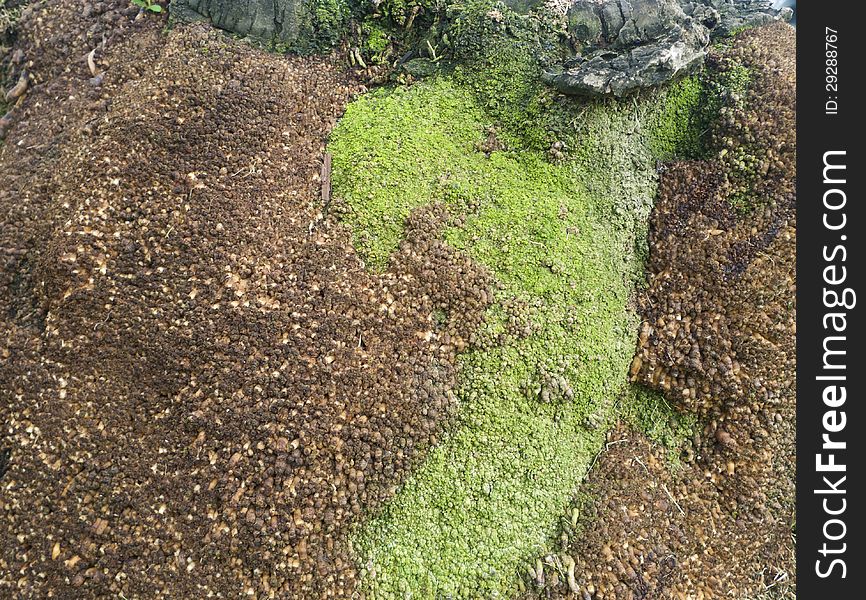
(326, 24)
(322, 25)
(391, 27)
(376, 41)
(398, 11)
(682, 130)
(742, 160)
(694, 105)
(537, 396)
(489, 494)
(148, 5)
(725, 87)
(499, 56)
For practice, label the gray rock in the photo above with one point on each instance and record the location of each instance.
(622, 23)
(627, 45)
(614, 73)
(584, 22)
(290, 23)
(736, 14)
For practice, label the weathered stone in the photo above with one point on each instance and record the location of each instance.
(420, 67)
(737, 14)
(584, 23)
(621, 22)
(612, 18)
(611, 73)
(731, 15)
(627, 45)
(650, 20)
(304, 24)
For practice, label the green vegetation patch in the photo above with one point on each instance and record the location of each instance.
(694, 105)
(396, 150)
(321, 25)
(499, 55)
(683, 125)
(554, 196)
(536, 398)
(647, 411)
(328, 21)
(8, 18)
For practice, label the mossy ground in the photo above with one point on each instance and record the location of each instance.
(498, 55)
(564, 235)
(564, 241)
(394, 151)
(647, 411)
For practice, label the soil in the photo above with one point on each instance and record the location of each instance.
(649, 531)
(203, 389)
(202, 386)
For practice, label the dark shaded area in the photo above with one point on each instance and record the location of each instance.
(304, 25)
(5, 455)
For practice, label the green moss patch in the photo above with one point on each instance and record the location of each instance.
(683, 128)
(538, 394)
(396, 150)
(499, 55)
(647, 411)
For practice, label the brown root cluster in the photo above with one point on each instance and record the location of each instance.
(202, 387)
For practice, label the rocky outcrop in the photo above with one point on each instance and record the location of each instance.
(728, 16)
(620, 46)
(627, 45)
(293, 24)
(632, 44)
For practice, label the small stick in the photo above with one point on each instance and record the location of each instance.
(677, 504)
(606, 447)
(19, 88)
(92, 63)
(411, 18)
